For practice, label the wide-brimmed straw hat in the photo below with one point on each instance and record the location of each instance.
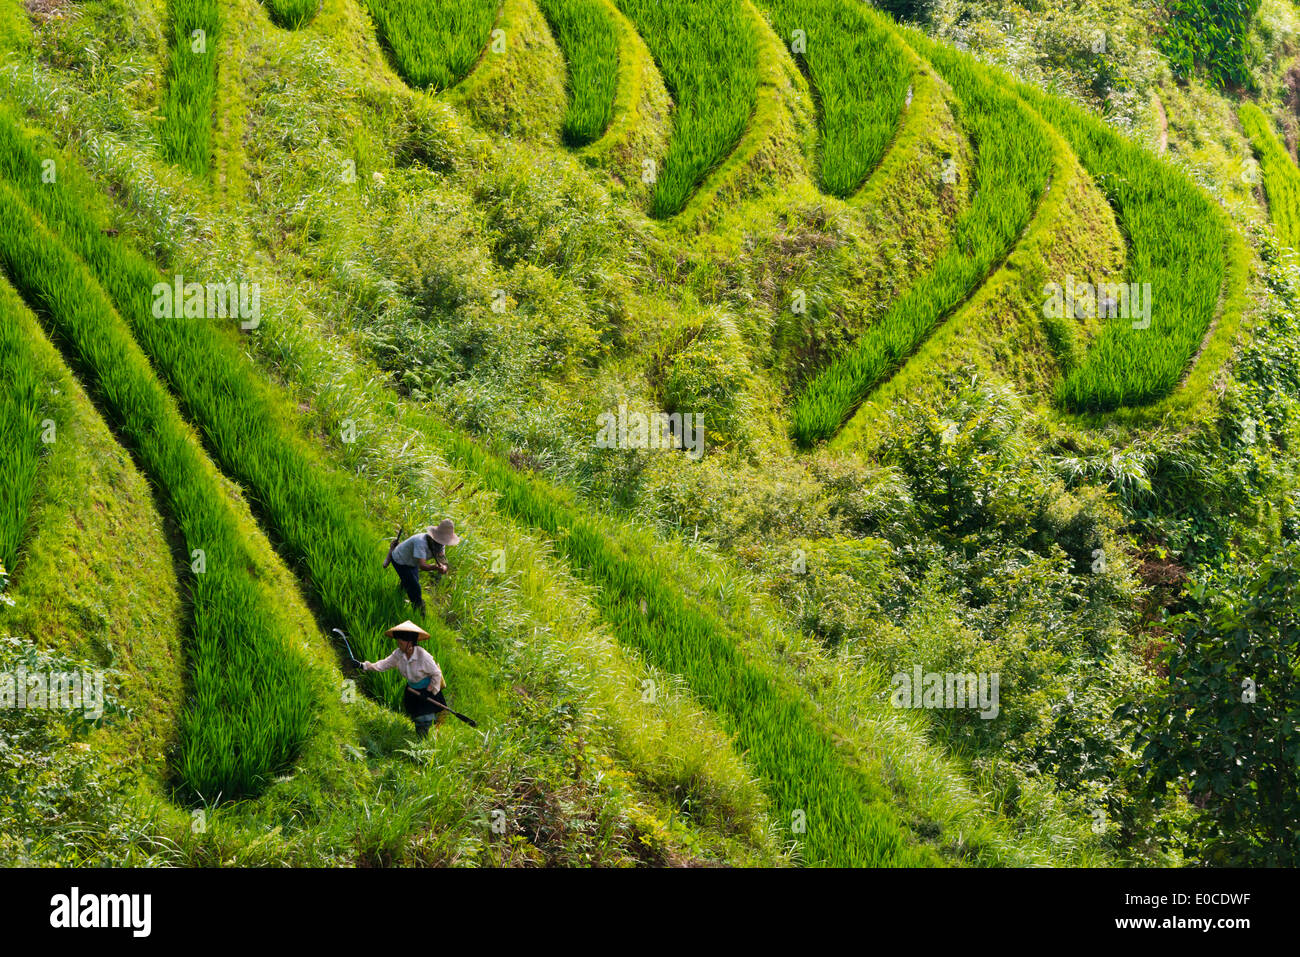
(444, 533)
(408, 630)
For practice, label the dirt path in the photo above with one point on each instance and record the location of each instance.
(1162, 146)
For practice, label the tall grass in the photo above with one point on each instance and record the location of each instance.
(586, 34)
(848, 818)
(250, 699)
(317, 519)
(188, 103)
(1013, 161)
(20, 432)
(1178, 243)
(860, 70)
(707, 51)
(1281, 178)
(291, 14)
(434, 43)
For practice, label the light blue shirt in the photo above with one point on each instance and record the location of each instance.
(415, 549)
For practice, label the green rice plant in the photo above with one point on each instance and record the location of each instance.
(1281, 177)
(585, 32)
(434, 44)
(707, 51)
(860, 71)
(1013, 161)
(250, 698)
(838, 816)
(291, 14)
(318, 521)
(1178, 249)
(20, 434)
(188, 103)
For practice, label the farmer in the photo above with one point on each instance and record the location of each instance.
(425, 551)
(424, 682)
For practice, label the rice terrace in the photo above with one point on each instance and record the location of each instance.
(649, 433)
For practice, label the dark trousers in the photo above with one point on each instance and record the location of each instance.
(410, 578)
(421, 711)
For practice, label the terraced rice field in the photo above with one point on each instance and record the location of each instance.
(1280, 176)
(188, 401)
(251, 699)
(292, 14)
(586, 34)
(434, 44)
(1014, 160)
(21, 432)
(860, 73)
(1177, 250)
(707, 51)
(191, 85)
(314, 515)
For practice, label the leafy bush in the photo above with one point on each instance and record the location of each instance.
(53, 794)
(1210, 34)
(708, 374)
(1227, 728)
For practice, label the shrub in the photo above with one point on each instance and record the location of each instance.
(1211, 34)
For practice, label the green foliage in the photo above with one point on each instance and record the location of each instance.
(251, 700)
(708, 53)
(705, 372)
(1211, 34)
(20, 434)
(916, 11)
(860, 70)
(1014, 158)
(52, 790)
(15, 29)
(1281, 178)
(434, 44)
(189, 103)
(1227, 728)
(292, 14)
(1177, 244)
(585, 32)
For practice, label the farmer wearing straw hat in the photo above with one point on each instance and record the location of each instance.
(425, 551)
(424, 682)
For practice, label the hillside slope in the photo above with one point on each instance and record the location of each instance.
(480, 236)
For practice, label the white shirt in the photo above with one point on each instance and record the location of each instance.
(415, 668)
